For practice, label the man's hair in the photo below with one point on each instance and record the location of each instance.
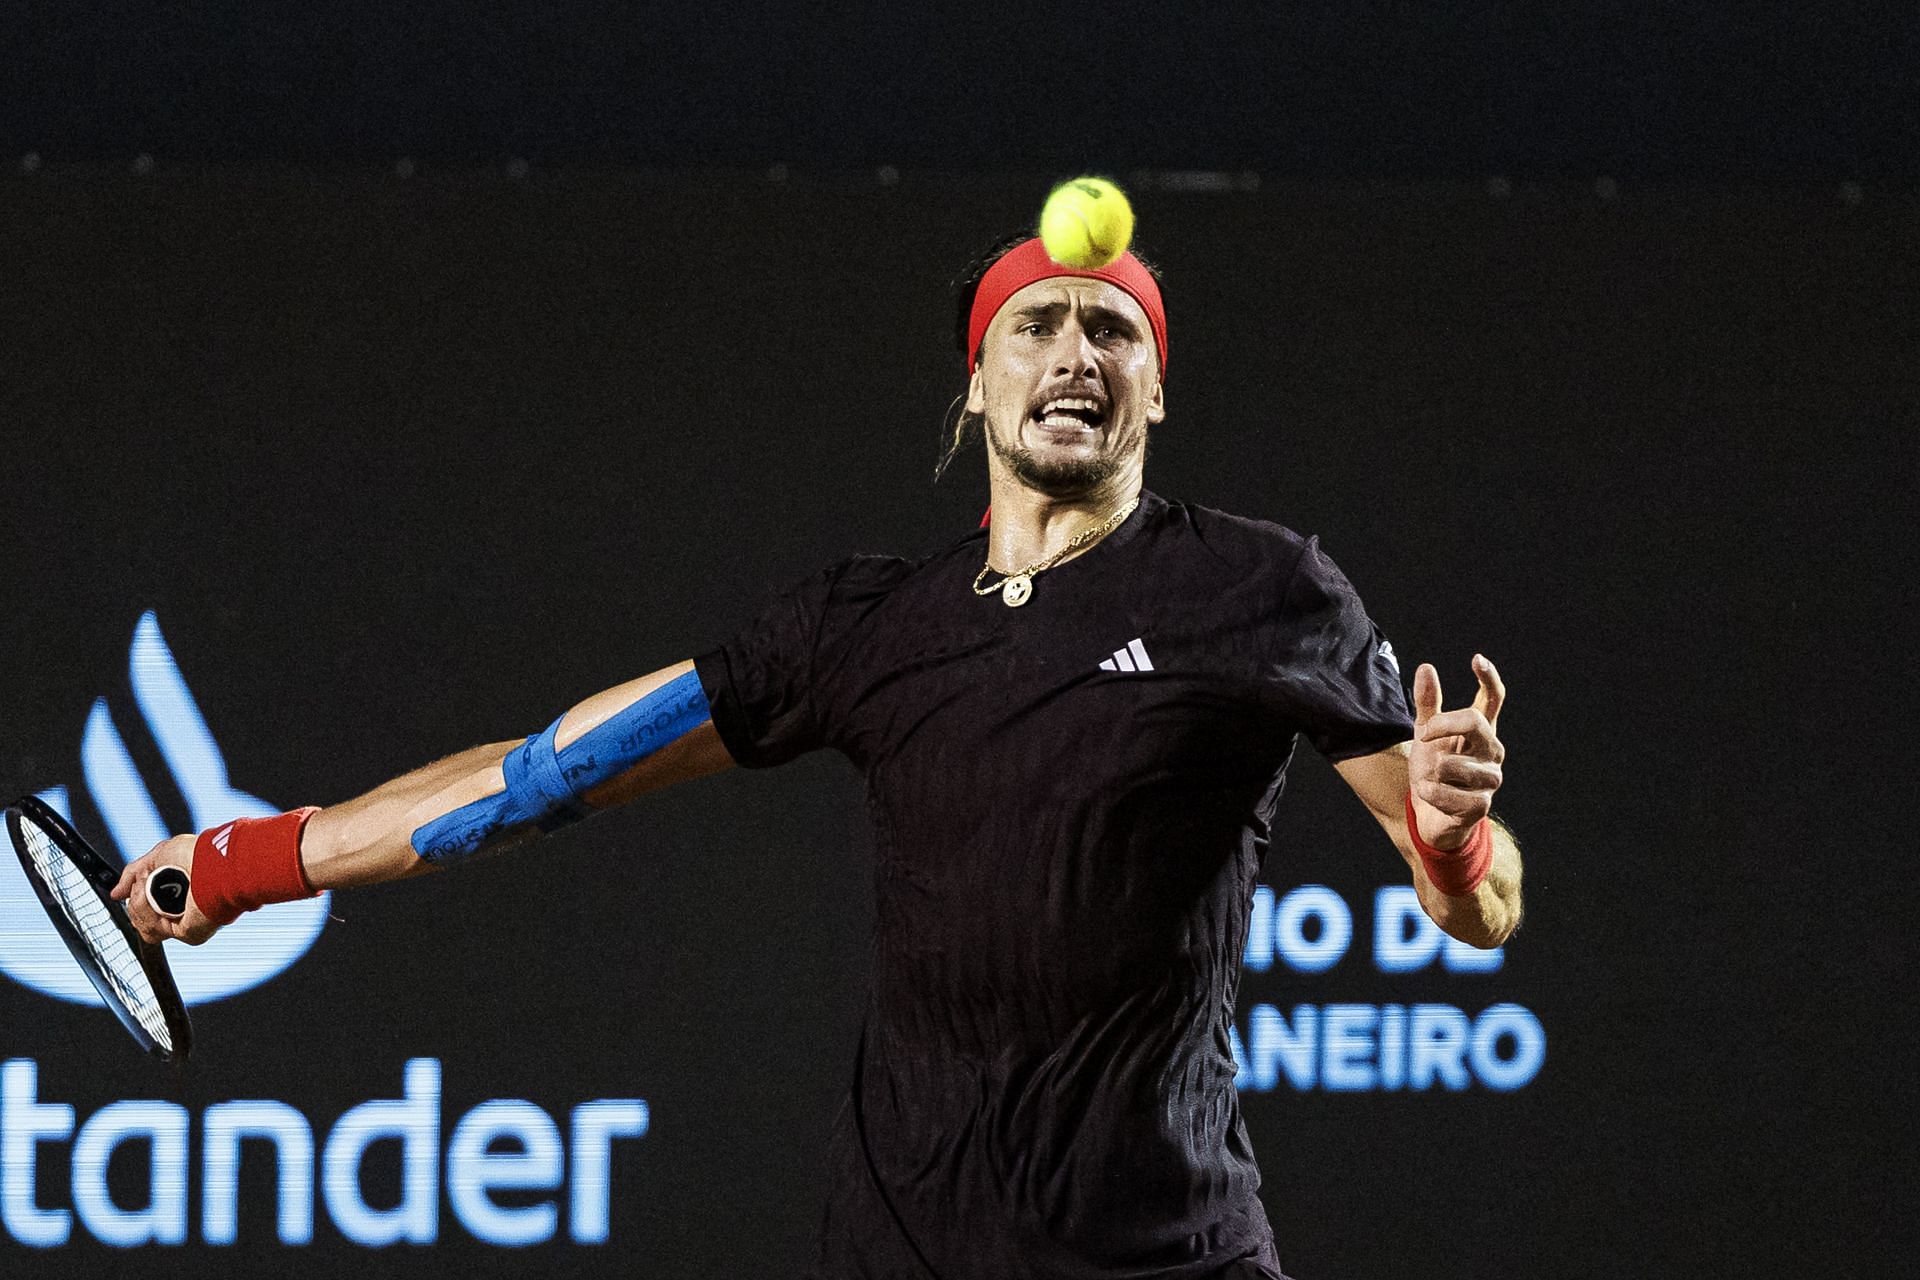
(965, 286)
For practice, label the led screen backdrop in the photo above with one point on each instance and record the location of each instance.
(312, 479)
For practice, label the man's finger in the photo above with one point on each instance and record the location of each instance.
(141, 915)
(1493, 690)
(1476, 734)
(1469, 806)
(129, 876)
(154, 927)
(1468, 773)
(1464, 721)
(1426, 695)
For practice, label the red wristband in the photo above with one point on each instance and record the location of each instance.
(1456, 872)
(249, 863)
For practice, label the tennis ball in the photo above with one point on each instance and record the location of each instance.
(1086, 223)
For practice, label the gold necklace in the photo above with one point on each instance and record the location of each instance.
(1017, 588)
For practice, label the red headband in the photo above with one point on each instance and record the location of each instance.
(1027, 262)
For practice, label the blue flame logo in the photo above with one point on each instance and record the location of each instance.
(243, 955)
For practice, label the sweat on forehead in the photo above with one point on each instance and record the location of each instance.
(1028, 263)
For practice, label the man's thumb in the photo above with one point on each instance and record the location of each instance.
(1426, 694)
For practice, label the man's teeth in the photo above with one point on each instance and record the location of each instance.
(1054, 412)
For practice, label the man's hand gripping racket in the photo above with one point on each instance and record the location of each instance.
(157, 889)
(187, 888)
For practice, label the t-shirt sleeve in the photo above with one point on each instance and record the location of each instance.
(1335, 675)
(760, 684)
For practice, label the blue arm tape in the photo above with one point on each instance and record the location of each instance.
(545, 786)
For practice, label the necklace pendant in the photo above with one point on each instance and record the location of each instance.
(1017, 590)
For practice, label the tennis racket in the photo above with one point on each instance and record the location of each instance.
(73, 883)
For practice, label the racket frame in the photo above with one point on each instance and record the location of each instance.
(101, 876)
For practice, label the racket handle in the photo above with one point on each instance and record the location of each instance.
(167, 890)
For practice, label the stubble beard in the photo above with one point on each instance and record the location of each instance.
(1063, 478)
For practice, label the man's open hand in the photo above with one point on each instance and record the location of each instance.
(1454, 768)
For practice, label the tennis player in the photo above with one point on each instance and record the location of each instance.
(1074, 726)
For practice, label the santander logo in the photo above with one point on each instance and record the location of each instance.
(243, 955)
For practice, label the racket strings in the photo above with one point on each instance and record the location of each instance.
(83, 908)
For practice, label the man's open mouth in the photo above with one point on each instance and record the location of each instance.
(1070, 413)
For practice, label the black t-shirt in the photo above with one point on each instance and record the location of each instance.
(1070, 803)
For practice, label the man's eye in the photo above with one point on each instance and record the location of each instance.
(1031, 326)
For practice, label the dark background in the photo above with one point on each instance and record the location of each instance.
(1677, 89)
(404, 463)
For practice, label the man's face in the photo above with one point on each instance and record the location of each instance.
(1069, 381)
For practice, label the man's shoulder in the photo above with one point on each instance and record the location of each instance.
(1239, 540)
(867, 574)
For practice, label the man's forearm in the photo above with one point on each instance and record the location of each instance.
(618, 744)
(369, 839)
(1488, 916)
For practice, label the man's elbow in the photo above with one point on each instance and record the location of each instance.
(1485, 919)
(1480, 931)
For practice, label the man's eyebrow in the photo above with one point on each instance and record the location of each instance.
(1096, 314)
(1107, 315)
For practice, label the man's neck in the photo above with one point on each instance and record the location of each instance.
(1028, 526)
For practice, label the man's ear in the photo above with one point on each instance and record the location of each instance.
(976, 395)
(1157, 404)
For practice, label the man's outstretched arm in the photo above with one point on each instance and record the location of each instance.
(618, 744)
(1445, 777)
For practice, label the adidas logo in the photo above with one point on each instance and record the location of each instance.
(1386, 651)
(1132, 658)
(221, 837)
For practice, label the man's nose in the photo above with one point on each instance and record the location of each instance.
(1074, 354)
